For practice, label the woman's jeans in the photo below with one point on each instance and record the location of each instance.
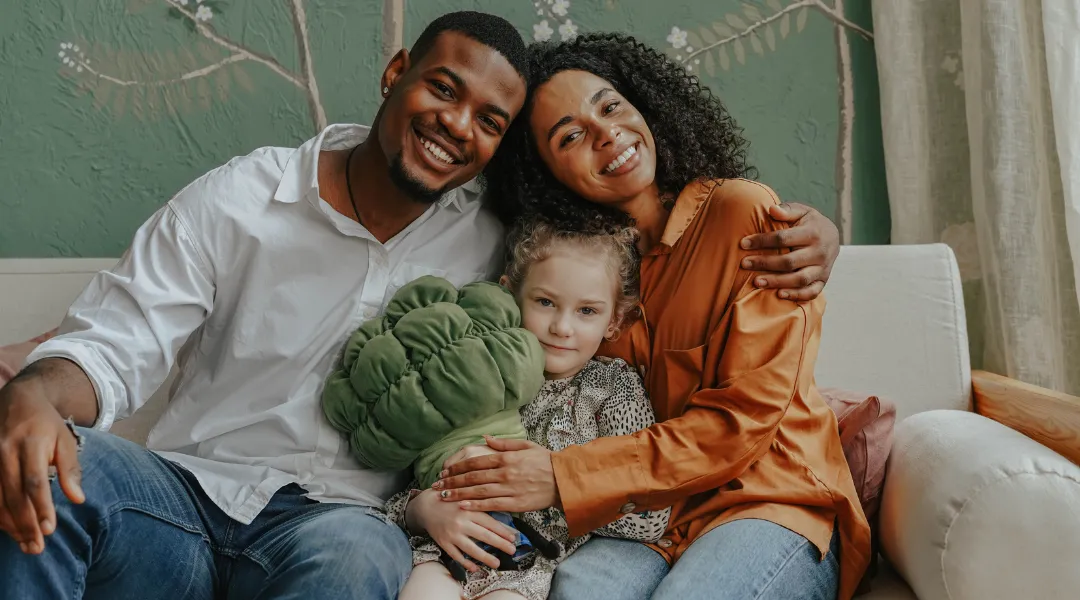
(749, 559)
(147, 530)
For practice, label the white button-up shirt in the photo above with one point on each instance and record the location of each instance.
(252, 284)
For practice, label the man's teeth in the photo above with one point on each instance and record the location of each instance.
(437, 151)
(620, 159)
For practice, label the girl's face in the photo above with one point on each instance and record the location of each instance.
(568, 302)
(592, 139)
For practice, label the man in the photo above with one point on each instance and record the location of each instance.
(249, 280)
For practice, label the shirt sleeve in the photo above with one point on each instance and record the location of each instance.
(759, 357)
(628, 411)
(126, 327)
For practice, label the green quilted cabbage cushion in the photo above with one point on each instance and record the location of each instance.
(440, 365)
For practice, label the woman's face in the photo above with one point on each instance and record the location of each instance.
(593, 140)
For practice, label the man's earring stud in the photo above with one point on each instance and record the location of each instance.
(385, 91)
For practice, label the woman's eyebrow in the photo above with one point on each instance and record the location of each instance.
(556, 126)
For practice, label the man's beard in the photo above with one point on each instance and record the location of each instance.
(413, 187)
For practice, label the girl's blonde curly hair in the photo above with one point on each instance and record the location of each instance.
(532, 240)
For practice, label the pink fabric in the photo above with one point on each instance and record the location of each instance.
(13, 356)
(866, 433)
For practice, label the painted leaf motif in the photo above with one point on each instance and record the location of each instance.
(710, 64)
(740, 52)
(755, 43)
(707, 36)
(751, 12)
(736, 21)
(785, 25)
(725, 62)
(775, 5)
(723, 29)
(770, 37)
(800, 21)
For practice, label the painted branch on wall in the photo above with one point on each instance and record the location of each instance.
(709, 45)
(150, 92)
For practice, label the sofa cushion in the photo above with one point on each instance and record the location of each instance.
(866, 431)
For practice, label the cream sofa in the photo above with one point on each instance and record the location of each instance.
(972, 509)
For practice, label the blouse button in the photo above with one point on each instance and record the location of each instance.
(664, 543)
(642, 369)
(628, 508)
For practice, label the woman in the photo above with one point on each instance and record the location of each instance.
(746, 451)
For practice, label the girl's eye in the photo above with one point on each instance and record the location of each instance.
(588, 311)
(610, 107)
(545, 302)
(569, 138)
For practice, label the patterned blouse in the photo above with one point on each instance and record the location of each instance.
(606, 398)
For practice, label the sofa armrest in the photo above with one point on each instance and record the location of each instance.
(973, 510)
(1048, 417)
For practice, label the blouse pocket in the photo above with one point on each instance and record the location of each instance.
(678, 377)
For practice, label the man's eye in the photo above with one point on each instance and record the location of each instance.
(444, 89)
(490, 123)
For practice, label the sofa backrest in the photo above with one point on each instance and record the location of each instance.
(895, 327)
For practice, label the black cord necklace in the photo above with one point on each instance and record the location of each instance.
(348, 182)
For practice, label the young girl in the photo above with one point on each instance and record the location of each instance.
(574, 290)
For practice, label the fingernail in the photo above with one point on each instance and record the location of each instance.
(24, 548)
(784, 295)
(745, 243)
(436, 485)
(760, 282)
(46, 527)
(465, 504)
(746, 264)
(443, 474)
(444, 494)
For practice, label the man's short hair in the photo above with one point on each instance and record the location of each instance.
(494, 32)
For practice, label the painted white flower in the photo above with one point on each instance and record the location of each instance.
(542, 31)
(204, 14)
(689, 49)
(182, 2)
(568, 30)
(560, 6)
(677, 38)
(950, 63)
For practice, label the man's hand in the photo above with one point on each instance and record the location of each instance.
(456, 531)
(33, 437)
(813, 243)
(518, 478)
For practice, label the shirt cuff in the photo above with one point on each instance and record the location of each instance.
(600, 482)
(108, 387)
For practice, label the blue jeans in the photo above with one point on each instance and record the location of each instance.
(749, 559)
(147, 530)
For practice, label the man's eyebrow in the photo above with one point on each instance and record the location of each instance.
(454, 77)
(498, 111)
(556, 126)
(563, 121)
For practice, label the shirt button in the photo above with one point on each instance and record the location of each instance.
(628, 508)
(664, 543)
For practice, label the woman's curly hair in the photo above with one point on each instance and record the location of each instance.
(695, 136)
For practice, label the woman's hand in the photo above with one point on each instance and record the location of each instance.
(456, 531)
(468, 452)
(813, 243)
(518, 478)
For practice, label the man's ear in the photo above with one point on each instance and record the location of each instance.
(394, 71)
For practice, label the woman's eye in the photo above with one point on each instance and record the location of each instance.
(610, 107)
(569, 138)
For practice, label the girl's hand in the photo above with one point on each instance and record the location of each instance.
(456, 531)
(468, 452)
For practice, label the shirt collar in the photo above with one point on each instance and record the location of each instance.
(300, 178)
(687, 206)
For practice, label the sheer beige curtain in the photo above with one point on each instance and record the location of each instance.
(980, 104)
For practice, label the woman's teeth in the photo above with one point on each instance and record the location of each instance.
(437, 151)
(620, 159)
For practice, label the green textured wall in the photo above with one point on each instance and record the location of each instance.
(107, 108)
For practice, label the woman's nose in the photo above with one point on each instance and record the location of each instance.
(607, 133)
